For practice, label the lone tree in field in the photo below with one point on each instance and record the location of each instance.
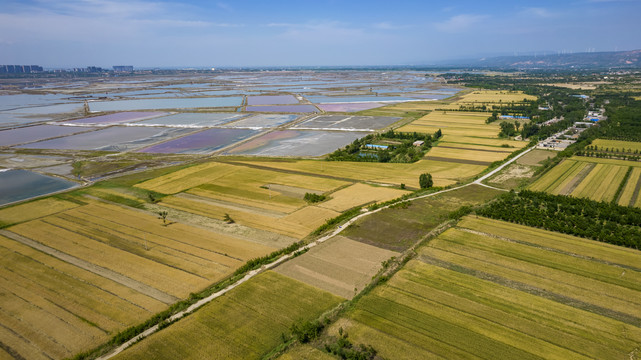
(163, 215)
(228, 219)
(425, 181)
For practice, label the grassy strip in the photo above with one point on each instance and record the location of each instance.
(622, 185)
(337, 220)
(406, 197)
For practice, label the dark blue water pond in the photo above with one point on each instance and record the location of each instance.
(16, 185)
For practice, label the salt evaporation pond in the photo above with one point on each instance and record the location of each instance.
(36, 133)
(193, 120)
(349, 107)
(204, 142)
(262, 121)
(347, 122)
(183, 103)
(17, 185)
(116, 138)
(297, 143)
(283, 108)
(8, 102)
(272, 99)
(320, 99)
(117, 118)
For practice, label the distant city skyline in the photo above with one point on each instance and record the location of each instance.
(148, 33)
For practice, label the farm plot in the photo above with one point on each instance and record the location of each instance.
(580, 178)
(618, 145)
(260, 190)
(473, 140)
(601, 183)
(37, 133)
(495, 97)
(454, 124)
(192, 120)
(444, 173)
(262, 121)
(630, 194)
(475, 156)
(535, 157)
(33, 210)
(297, 143)
(556, 180)
(340, 265)
(175, 260)
(347, 123)
(399, 227)
(117, 118)
(505, 294)
(110, 139)
(360, 194)
(246, 216)
(203, 142)
(55, 309)
(246, 323)
(266, 189)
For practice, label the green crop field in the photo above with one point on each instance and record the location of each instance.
(601, 183)
(490, 289)
(628, 197)
(618, 145)
(581, 177)
(399, 227)
(244, 324)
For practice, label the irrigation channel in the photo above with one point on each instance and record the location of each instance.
(286, 257)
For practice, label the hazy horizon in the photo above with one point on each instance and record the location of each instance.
(144, 33)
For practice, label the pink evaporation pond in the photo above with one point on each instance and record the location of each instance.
(272, 99)
(36, 133)
(349, 107)
(283, 108)
(203, 142)
(117, 118)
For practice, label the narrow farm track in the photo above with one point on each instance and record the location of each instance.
(286, 257)
(98, 270)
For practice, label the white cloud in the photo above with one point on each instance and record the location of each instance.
(460, 23)
(389, 26)
(537, 12)
(224, 6)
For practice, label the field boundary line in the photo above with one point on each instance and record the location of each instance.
(531, 289)
(286, 257)
(93, 268)
(546, 248)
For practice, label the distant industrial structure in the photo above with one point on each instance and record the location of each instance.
(20, 69)
(123, 68)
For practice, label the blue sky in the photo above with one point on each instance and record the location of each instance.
(63, 33)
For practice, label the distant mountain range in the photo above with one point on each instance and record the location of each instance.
(591, 60)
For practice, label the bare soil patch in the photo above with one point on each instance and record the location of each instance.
(339, 265)
(535, 157)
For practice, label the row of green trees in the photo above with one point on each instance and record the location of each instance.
(602, 221)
